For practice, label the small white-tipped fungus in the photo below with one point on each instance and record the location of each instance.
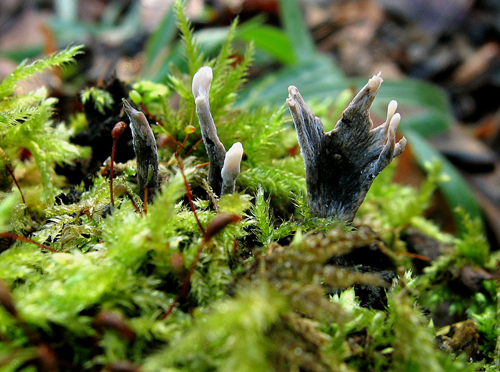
(394, 122)
(231, 169)
(215, 149)
(201, 82)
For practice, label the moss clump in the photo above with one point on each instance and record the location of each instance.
(151, 289)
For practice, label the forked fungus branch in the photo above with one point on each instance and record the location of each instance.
(342, 164)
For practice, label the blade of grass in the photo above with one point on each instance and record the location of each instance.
(427, 124)
(160, 40)
(19, 54)
(456, 191)
(270, 39)
(320, 78)
(425, 107)
(409, 91)
(296, 29)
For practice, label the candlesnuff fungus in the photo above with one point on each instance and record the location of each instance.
(144, 143)
(224, 169)
(231, 169)
(342, 164)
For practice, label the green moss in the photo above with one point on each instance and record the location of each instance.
(25, 120)
(237, 301)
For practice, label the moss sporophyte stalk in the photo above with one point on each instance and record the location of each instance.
(261, 261)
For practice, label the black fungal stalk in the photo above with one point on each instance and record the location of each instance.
(215, 149)
(144, 143)
(224, 168)
(342, 164)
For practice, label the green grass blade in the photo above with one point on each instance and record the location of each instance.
(456, 191)
(427, 124)
(270, 39)
(424, 107)
(296, 29)
(20, 53)
(160, 40)
(318, 79)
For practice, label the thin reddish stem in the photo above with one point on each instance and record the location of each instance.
(111, 172)
(213, 228)
(189, 195)
(185, 140)
(193, 147)
(175, 141)
(117, 131)
(181, 147)
(151, 115)
(133, 203)
(187, 280)
(27, 240)
(202, 165)
(146, 200)
(191, 122)
(414, 255)
(15, 181)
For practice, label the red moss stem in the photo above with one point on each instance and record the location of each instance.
(27, 240)
(15, 181)
(194, 147)
(115, 133)
(202, 165)
(185, 285)
(111, 173)
(189, 195)
(151, 115)
(133, 203)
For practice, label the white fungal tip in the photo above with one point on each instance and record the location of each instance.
(201, 81)
(231, 169)
(395, 122)
(199, 99)
(391, 109)
(374, 83)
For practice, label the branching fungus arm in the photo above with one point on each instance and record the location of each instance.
(342, 164)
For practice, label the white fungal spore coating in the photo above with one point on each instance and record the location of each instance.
(374, 83)
(231, 169)
(391, 110)
(394, 123)
(201, 82)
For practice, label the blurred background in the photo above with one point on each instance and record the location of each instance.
(440, 59)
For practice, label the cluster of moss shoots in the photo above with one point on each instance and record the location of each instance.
(190, 281)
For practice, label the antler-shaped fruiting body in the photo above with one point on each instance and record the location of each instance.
(224, 169)
(144, 143)
(342, 164)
